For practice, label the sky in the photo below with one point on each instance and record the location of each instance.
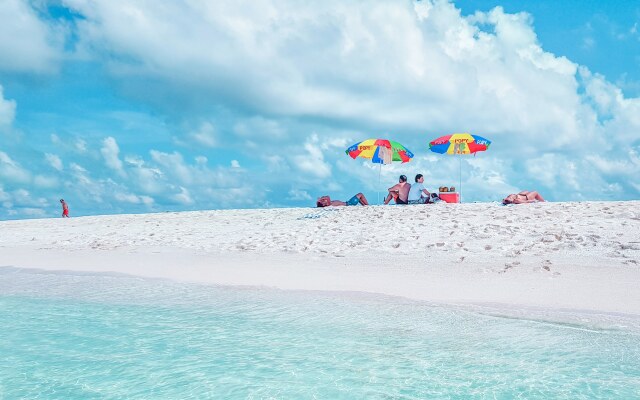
(153, 106)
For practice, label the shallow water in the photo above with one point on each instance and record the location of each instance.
(83, 336)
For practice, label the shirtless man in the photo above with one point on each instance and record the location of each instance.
(325, 201)
(65, 209)
(399, 192)
(523, 197)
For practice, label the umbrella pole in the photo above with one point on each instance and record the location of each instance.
(379, 172)
(460, 175)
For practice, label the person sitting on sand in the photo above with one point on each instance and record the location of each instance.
(523, 197)
(399, 192)
(325, 201)
(418, 194)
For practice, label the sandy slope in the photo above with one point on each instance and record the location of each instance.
(556, 255)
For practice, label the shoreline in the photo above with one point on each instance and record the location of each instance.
(516, 256)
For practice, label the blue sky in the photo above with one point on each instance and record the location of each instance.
(154, 106)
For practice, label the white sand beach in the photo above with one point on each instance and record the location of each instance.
(563, 256)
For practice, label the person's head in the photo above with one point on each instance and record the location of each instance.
(61, 200)
(403, 178)
(419, 178)
(323, 201)
(509, 199)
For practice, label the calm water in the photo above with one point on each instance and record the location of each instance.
(71, 336)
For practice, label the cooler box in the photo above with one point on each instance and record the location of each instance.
(450, 197)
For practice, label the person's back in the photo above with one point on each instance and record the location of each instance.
(399, 192)
(403, 193)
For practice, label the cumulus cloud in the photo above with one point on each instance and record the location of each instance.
(45, 181)
(23, 198)
(332, 68)
(11, 171)
(205, 135)
(312, 161)
(184, 197)
(110, 151)
(134, 199)
(173, 165)
(55, 161)
(297, 195)
(27, 43)
(7, 109)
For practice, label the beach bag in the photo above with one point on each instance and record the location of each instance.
(434, 198)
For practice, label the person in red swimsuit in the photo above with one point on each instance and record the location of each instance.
(65, 209)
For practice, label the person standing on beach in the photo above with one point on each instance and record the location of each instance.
(399, 192)
(65, 209)
(418, 194)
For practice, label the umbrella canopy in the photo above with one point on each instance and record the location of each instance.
(380, 151)
(459, 143)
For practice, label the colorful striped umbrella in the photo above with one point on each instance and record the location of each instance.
(459, 144)
(380, 151)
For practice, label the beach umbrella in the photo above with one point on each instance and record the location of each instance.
(459, 144)
(380, 151)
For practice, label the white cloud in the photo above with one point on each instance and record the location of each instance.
(4, 196)
(184, 197)
(11, 171)
(312, 162)
(298, 194)
(46, 182)
(205, 135)
(260, 127)
(269, 57)
(80, 145)
(110, 151)
(23, 198)
(235, 164)
(27, 44)
(173, 165)
(55, 161)
(134, 199)
(7, 109)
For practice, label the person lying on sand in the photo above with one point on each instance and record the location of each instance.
(325, 201)
(523, 197)
(399, 192)
(418, 194)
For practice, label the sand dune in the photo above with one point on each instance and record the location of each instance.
(563, 255)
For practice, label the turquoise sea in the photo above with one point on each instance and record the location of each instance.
(87, 336)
